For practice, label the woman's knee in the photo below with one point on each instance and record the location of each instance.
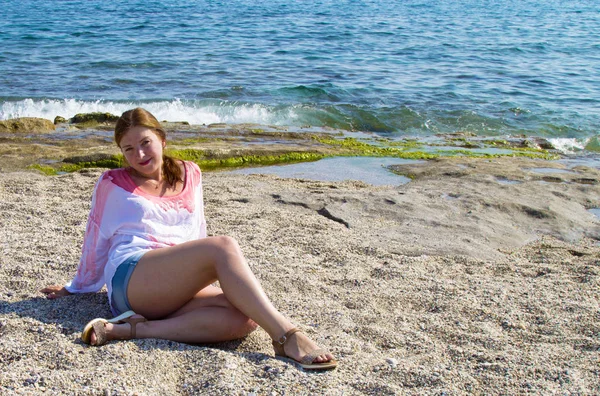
(227, 248)
(226, 243)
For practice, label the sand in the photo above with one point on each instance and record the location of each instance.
(476, 277)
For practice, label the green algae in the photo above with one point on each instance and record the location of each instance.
(45, 169)
(354, 147)
(116, 161)
(407, 144)
(323, 147)
(540, 154)
(207, 163)
(463, 142)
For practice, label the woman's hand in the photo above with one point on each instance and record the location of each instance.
(55, 291)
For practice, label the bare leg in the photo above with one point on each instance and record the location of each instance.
(165, 280)
(208, 317)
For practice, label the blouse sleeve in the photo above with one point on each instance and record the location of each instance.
(200, 199)
(94, 254)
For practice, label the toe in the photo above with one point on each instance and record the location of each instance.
(325, 358)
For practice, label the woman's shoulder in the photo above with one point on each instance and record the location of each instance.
(119, 177)
(112, 174)
(191, 166)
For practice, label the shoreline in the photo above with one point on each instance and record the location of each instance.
(85, 141)
(455, 282)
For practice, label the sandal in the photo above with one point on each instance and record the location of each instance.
(307, 362)
(98, 327)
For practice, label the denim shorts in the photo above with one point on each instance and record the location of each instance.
(120, 280)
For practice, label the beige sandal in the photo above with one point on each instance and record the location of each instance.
(98, 327)
(307, 362)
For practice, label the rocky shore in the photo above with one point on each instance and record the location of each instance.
(85, 141)
(479, 276)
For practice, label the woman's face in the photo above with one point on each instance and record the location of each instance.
(143, 150)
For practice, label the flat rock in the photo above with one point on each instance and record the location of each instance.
(27, 125)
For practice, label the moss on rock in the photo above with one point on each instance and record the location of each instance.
(98, 118)
(211, 163)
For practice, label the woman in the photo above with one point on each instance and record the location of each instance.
(146, 240)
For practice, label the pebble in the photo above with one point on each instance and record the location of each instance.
(392, 362)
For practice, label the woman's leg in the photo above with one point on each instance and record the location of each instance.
(165, 280)
(207, 317)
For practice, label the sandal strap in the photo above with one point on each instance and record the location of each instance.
(132, 323)
(286, 336)
(278, 344)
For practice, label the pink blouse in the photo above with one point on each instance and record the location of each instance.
(124, 220)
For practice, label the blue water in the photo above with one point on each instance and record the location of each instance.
(392, 67)
(369, 170)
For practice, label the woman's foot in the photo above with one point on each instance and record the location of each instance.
(300, 349)
(100, 331)
(299, 345)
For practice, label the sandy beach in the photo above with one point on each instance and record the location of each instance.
(477, 277)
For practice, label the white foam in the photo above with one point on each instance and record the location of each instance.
(194, 112)
(568, 145)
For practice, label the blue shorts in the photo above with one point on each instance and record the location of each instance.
(119, 301)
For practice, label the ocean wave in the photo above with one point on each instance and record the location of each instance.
(195, 112)
(413, 120)
(569, 145)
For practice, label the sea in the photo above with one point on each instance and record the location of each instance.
(410, 68)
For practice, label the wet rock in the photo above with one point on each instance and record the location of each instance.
(93, 118)
(27, 124)
(535, 143)
(544, 144)
(593, 144)
(59, 120)
(174, 123)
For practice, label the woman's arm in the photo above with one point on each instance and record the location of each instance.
(94, 254)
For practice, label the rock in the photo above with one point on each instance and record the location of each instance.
(544, 144)
(59, 120)
(88, 158)
(169, 123)
(535, 143)
(392, 362)
(27, 124)
(93, 118)
(593, 144)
